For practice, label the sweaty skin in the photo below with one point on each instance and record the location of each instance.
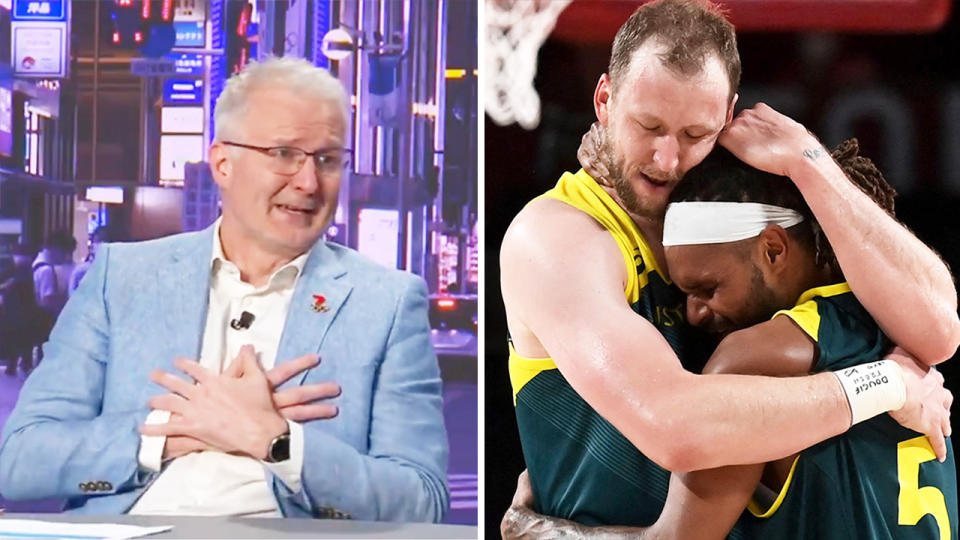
(593, 335)
(704, 505)
(701, 505)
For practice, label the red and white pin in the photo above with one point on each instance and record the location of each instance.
(320, 304)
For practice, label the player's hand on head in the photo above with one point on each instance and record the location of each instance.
(770, 141)
(590, 154)
(927, 407)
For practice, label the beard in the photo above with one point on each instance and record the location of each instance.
(759, 306)
(762, 302)
(613, 160)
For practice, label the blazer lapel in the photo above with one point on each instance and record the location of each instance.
(187, 282)
(309, 316)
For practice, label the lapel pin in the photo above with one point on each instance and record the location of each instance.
(320, 304)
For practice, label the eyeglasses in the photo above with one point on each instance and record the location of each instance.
(288, 160)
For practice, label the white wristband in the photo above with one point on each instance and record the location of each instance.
(872, 389)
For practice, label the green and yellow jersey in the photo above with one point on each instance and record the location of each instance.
(878, 480)
(582, 468)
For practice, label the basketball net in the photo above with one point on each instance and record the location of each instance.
(515, 31)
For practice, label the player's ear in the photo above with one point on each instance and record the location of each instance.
(601, 98)
(733, 105)
(773, 244)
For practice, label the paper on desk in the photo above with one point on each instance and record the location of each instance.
(31, 528)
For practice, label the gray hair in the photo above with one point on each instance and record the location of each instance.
(294, 74)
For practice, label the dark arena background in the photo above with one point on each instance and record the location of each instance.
(886, 72)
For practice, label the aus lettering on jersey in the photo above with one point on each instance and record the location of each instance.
(669, 316)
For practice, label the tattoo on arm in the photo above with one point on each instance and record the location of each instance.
(813, 153)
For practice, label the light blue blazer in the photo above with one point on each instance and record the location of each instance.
(73, 432)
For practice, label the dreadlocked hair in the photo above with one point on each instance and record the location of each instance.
(864, 174)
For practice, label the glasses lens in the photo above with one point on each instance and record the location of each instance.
(286, 160)
(330, 161)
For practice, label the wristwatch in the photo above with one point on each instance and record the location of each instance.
(279, 449)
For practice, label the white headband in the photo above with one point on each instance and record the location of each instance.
(712, 222)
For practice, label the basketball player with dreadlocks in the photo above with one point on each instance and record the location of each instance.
(756, 267)
(602, 362)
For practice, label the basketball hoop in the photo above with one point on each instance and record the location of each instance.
(515, 31)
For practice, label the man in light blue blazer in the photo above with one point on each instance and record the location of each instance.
(183, 375)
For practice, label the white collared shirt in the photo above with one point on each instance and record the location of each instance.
(213, 483)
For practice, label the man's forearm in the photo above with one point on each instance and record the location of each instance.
(62, 440)
(523, 523)
(902, 283)
(43, 458)
(689, 424)
(385, 488)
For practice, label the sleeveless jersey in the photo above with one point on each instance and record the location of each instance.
(878, 480)
(582, 468)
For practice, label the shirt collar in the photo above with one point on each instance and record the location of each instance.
(285, 275)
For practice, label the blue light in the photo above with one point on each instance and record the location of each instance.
(321, 25)
(187, 64)
(217, 62)
(32, 10)
(183, 92)
(189, 33)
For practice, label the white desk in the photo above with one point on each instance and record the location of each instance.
(220, 527)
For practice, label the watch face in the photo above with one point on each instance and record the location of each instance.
(280, 449)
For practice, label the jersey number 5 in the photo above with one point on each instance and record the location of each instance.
(914, 501)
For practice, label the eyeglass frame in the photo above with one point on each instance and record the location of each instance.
(313, 155)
